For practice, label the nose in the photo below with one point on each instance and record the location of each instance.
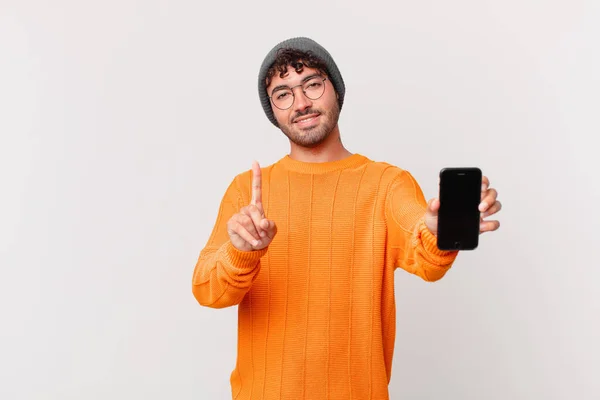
(301, 102)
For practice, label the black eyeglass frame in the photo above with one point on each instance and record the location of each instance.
(294, 95)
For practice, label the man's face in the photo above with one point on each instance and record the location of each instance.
(307, 122)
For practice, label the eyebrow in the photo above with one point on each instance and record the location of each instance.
(280, 87)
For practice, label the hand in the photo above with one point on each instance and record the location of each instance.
(249, 229)
(489, 205)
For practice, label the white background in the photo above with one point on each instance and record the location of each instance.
(122, 123)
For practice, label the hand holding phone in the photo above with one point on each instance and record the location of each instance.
(459, 216)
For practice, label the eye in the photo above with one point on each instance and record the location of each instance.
(282, 95)
(312, 85)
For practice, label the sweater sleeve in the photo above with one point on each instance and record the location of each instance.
(223, 274)
(410, 243)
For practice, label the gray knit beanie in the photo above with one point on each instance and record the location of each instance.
(306, 45)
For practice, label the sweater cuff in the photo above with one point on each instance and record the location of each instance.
(239, 259)
(429, 241)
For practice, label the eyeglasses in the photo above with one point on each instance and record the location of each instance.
(283, 97)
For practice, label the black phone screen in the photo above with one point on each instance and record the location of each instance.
(458, 216)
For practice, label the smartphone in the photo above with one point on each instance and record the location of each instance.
(459, 216)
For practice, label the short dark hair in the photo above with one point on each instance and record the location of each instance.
(296, 59)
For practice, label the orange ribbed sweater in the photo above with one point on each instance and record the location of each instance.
(316, 316)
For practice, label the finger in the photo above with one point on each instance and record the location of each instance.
(256, 183)
(246, 222)
(488, 200)
(485, 183)
(433, 206)
(488, 226)
(497, 206)
(270, 227)
(257, 216)
(242, 232)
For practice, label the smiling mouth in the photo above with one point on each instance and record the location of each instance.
(306, 119)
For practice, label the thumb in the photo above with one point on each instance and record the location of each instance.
(433, 207)
(431, 215)
(269, 226)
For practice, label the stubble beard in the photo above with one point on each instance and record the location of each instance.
(313, 136)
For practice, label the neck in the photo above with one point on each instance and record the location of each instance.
(332, 149)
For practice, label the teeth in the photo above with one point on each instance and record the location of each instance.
(306, 120)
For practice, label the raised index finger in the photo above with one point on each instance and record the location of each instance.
(256, 184)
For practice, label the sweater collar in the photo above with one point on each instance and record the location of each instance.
(353, 160)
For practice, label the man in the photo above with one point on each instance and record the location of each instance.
(307, 247)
